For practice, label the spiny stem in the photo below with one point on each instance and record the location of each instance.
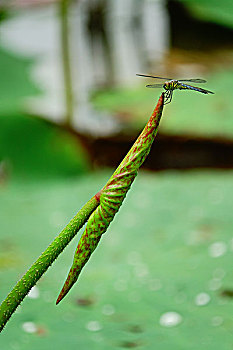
(22, 288)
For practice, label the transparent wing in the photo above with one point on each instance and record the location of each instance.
(193, 80)
(152, 76)
(155, 85)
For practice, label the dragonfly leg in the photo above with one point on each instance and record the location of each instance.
(171, 96)
(168, 96)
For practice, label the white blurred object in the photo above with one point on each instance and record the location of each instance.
(170, 319)
(217, 249)
(156, 30)
(202, 299)
(121, 31)
(34, 32)
(94, 326)
(136, 33)
(34, 293)
(29, 327)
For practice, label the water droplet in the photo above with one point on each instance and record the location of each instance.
(217, 321)
(217, 249)
(108, 310)
(134, 258)
(202, 299)
(93, 326)
(29, 327)
(97, 337)
(219, 273)
(34, 293)
(170, 319)
(215, 284)
(141, 271)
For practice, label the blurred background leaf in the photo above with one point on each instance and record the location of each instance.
(162, 276)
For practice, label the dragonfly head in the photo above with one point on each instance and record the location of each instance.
(170, 85)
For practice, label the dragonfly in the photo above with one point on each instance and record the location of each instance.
(171, 84)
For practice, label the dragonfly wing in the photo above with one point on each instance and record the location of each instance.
(155, 85)
(152, 76)
(193, 80)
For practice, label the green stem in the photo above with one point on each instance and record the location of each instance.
(22, 288)
(64, 19)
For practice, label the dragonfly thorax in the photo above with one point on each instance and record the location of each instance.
(170, 85)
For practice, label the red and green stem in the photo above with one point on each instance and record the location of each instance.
(100, 210)
(112, 196)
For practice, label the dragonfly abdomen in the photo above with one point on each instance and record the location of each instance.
(190, 87)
